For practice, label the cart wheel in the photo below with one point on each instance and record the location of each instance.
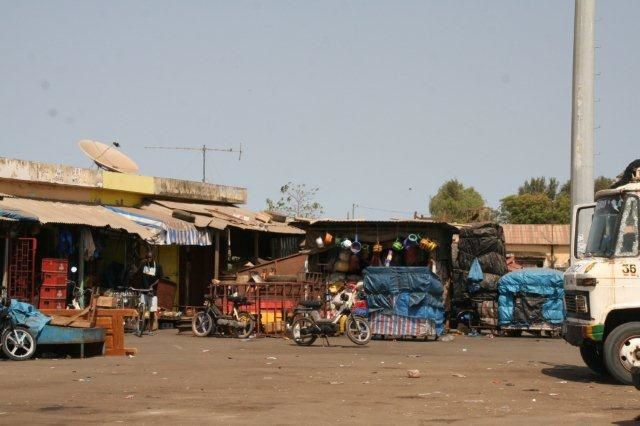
(18, 344)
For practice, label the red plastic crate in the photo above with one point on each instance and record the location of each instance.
(49, 278)
(51, 304)
(59, 266)
(53, 293)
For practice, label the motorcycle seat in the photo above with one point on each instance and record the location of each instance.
(239, 300)
(312, 304)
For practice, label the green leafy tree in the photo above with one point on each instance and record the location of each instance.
(540, 186)
(296, 200)
(538, 201)
(599, 183)
(535, 208)
(456, 203)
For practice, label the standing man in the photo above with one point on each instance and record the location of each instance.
(151, 272)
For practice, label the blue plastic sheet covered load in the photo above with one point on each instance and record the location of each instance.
(531, 295)
(25, 314)
(413, 292)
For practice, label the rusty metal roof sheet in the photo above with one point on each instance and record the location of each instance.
(318, 223)
(537, 234)
(222, 216)
(75, 214)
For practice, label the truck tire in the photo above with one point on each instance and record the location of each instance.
(593, 358)
(622, 351)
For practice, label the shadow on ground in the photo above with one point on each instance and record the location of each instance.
(575, 373)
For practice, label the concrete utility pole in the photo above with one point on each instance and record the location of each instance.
(582, 119)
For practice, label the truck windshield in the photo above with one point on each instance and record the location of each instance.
(628, 230)
(602, 235)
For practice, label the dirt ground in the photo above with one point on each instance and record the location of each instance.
(180, 379)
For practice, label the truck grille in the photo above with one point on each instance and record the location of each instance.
(577, 302)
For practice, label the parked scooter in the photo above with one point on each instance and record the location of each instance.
(307, 326)
(239, 324)
(17, 341)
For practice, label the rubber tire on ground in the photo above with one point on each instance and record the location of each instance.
(463, 328)
(28, 335)
(593, 358)
(243, 333)
(359, 322)
(303, 322)
(612, 344)
(199, 330)
(513, 333)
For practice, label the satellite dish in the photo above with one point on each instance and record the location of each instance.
(108, 157)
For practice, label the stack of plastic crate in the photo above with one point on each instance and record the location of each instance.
(53, 292)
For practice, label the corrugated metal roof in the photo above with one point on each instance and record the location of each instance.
(305, 223)
(222, 216)
(537, 234)
(172, 230)
(75, 214)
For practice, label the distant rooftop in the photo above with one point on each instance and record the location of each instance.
(537, 234)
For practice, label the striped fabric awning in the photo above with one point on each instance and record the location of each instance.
(173, 231)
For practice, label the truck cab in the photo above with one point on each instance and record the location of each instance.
(602, 285)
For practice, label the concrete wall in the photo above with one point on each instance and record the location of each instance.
(560, 252)
(65, 183)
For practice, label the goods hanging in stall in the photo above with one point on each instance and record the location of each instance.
(414, 254)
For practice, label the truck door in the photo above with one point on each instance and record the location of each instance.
(581, 221)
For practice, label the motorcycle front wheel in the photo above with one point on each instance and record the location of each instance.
(249, 325)
(18, 344)
(358, 330)
(141, 322)
(302, 331)
(202, 324)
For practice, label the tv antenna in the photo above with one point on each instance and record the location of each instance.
(203, 149)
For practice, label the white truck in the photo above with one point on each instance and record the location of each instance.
(602, 285)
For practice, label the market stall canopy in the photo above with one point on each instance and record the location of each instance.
(58, 212)
(172, 230)
(222, 216)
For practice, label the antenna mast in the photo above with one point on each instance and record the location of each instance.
(203, 149)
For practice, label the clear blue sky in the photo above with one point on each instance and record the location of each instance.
(364, 99)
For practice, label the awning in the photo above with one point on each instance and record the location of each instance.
(223, 216)
(45, 211)
(172, 230)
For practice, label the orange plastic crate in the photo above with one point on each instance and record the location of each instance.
(51, 304)
(53, 292)
(54, 279)
(55, 265)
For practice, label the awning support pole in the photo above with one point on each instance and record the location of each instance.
(229, 264)
(81, 269)
(216, 256)
(5, 271)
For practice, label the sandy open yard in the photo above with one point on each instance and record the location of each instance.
(180, 379)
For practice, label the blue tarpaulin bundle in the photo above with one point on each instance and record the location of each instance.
(522, 289)
(25, 314)
(413, 292)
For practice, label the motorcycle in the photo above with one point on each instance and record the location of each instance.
(18, 343)
(239, 323)
(307, 325)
